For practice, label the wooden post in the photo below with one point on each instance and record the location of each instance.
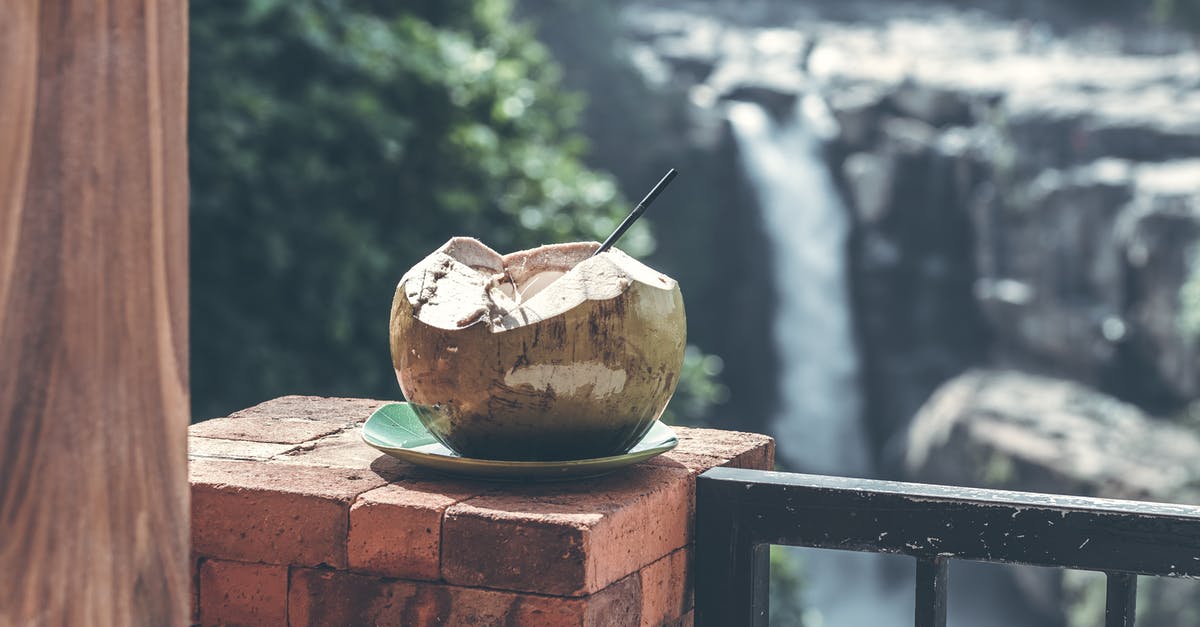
(93, 312)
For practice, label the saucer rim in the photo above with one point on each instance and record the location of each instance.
(453, 463)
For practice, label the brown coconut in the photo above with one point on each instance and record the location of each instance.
(543, 354)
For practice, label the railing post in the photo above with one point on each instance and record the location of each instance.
(931, 592)
(732, 570)
(1121, 601)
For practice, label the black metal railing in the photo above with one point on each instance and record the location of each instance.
(740, 513)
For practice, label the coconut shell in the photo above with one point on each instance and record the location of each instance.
(545, 354)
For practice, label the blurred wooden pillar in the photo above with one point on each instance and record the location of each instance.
(93, 312)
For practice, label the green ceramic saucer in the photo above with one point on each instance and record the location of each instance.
(396, 430)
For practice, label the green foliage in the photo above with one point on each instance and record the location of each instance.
(699, 389)
(1189, 300)
(1161, 601)
(333, 144)
(1180, 13)
(997, 470)
(787, 585)
(1083, 597)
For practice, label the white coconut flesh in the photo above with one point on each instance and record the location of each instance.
(465, 283)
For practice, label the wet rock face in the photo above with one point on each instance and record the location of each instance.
(1020, 194)
(1051, 270)
(1159, 245)
(1080, 274)
(1008, 429)
(1038, 169)
(911, 271)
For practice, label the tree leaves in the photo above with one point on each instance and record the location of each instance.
(335, 143)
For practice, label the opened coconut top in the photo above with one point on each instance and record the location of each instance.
(464, 283)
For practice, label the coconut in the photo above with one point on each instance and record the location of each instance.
(543, 354)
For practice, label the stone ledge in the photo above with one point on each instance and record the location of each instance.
(295, 519)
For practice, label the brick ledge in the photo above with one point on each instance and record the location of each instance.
(295, 520)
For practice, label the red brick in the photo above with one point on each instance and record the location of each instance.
(568, 538)
(321, 597)
(214, 448)
(618, 604)
(290, 483)
(233, 593)
(274, 513)
(344, 449)
(666, 589)
(289, 420)
(702, 449)
(396, 529)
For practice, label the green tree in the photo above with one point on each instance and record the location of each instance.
(334, 143)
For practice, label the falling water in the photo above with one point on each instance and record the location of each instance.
(818, 424)
(818, 427)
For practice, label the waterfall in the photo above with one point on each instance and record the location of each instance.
(818, 426)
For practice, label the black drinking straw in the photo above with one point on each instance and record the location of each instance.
(637, 212)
